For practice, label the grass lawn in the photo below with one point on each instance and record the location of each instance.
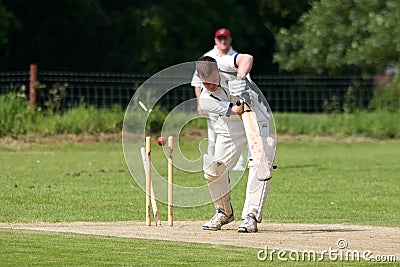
(29, 248)
(316, 182)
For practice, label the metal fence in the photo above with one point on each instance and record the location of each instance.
(304, 93)
(294, 93)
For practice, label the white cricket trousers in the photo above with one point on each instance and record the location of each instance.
(230, 141)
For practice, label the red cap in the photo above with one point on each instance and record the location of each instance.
(222, 32)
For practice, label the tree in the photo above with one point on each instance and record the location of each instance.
(7, 25)
(182, 30)
(129, 36)
(281, 13)
(342, 36)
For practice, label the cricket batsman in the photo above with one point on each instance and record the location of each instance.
(242, 117)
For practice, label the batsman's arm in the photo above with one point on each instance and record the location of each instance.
(197, 91)
(244, 64)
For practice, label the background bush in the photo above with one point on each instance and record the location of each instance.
(387, 94)
(381, 124)
(15, 116)
(17, 119)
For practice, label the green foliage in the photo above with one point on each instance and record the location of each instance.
(15, 115)
(332, 105)
(16, 118)
(152, 122)
(380, 124)
(131, 36)
(351, 101)
(277, 13)
(88, 120)
(51, 101)
(56, 94)
(388, 96)
(8, 24)
(156, 120)
(333, 36)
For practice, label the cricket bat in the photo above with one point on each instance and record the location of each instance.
(256, 146)
(153, 198)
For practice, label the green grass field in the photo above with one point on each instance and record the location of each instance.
(316, 182)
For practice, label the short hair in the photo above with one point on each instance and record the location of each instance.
(205, 66)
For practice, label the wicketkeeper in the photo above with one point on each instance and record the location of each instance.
(220, 96)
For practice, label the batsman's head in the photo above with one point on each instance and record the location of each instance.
(207, 70)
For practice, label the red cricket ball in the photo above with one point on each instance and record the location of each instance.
(161, 141)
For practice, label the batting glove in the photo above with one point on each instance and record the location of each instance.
(237, 87)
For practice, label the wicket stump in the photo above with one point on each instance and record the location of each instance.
(170, 182)
(148, 181)
(150, 196)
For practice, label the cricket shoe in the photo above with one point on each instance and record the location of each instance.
(218, 221)
(249, 224)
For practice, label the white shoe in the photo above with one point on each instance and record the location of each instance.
(218, 221)
(249, 224)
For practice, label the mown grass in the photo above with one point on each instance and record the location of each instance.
(316, 182)
(30, 248)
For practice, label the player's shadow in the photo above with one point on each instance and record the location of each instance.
(319, 231)
(298, 166)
